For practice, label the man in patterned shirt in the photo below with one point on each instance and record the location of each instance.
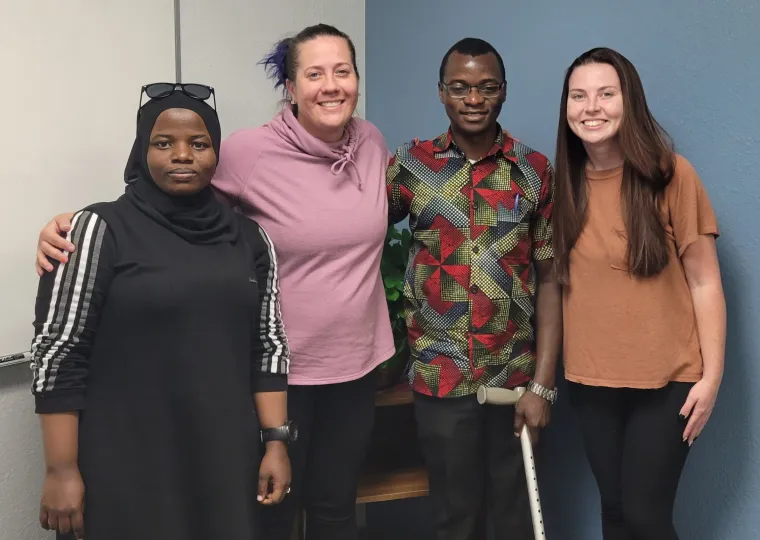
(483, 307)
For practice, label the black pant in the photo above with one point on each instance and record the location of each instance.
(476, 469)
(335, 424)
(634, 443)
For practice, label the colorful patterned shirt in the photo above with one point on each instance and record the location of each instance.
(470, 284)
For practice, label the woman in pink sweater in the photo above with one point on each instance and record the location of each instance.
(314, 179)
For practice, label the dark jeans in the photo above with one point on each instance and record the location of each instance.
(476, 470)
(335, 425)
(634, 443)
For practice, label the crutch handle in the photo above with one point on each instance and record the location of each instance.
(499, 396)
(504, 396)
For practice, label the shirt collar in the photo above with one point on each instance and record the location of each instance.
(444, 146)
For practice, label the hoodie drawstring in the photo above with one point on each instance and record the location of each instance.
(346, 158)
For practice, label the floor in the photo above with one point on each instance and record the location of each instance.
(398, 520)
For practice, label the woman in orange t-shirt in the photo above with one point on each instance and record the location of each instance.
(643, 305)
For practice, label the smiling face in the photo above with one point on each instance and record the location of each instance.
(595, 103)
(326, 87)
(472, 114)
(181, 159)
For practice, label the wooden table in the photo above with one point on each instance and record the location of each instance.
(394, 468)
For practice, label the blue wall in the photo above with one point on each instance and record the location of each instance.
(701, 70)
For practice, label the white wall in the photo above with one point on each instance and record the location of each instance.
(72, 72)
(222, 41)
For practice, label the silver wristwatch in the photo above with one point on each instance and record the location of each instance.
(542, 391)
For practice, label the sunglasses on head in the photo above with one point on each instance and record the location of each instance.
(162, 90)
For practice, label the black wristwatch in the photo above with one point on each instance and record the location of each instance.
(286, 433)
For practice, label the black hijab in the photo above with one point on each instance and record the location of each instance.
(199, 218)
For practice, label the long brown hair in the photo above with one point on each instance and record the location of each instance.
(648, 165)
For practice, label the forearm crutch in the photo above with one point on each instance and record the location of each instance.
(502, 396)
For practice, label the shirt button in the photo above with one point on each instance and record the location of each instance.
(474, 289)
(475, 249)
(474, 206)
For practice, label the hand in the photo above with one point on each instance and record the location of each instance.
(698, 408)
(534, 411)
(52, 243)
(62, 505)
(274, 474)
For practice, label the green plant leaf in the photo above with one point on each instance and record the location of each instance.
(392, 294)
(393, 269)
(394, 281)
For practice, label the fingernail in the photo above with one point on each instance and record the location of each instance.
(259, 498)
(517, 434)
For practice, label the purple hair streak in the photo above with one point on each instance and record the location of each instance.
(275, 63)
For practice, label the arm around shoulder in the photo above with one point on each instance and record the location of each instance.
(53, 244)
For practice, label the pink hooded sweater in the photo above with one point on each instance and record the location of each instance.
(325, 208)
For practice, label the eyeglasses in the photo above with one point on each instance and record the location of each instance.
(488, 90)
(162, 90)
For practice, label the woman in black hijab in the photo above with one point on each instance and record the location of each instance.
(159, 352)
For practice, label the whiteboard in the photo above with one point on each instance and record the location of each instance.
(72, 72)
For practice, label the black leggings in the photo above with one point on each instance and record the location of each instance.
(634, 443)
(335, 426)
